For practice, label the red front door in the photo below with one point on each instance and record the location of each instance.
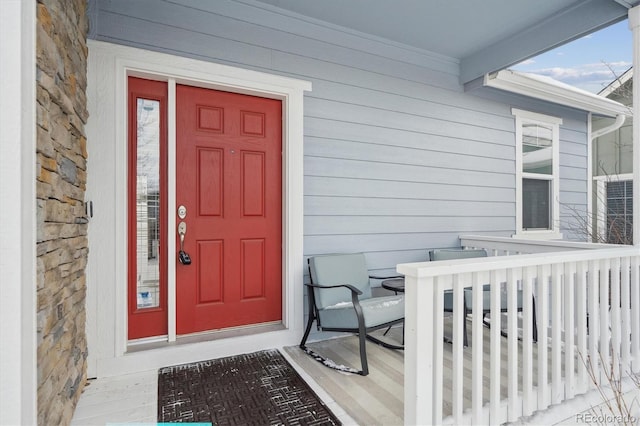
(229, 179)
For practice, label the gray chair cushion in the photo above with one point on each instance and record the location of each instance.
(451, 254)
(334, 269)
(377, 311)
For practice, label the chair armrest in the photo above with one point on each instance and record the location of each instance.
(350, 287)
(375, 277)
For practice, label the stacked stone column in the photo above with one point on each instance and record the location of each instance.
(61, 226)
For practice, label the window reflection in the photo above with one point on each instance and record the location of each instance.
(537, 149)
(148, 203)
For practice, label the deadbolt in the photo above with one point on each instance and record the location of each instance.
(182, 212)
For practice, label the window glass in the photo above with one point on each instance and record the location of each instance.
(536, 205)
(537, 149)
(620, 212)
(148, 203)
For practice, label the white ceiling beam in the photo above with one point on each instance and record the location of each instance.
(583, 18)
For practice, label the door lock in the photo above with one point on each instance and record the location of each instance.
(182, 212)
(183, 256)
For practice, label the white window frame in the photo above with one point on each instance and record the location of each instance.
(527, 117)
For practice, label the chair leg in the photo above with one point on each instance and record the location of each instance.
(465, 339)
(535, 322)
(308, 330)
(362, 335)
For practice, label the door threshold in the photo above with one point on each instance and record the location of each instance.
(204, 336)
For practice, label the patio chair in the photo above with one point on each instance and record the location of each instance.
(452, 254)
(340, 299)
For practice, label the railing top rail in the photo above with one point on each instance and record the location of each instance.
(482, 264)
(508, 243)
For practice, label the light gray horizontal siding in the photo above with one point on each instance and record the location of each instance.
(339, 187)
(398, 158)
(319, 166)
(359, 206)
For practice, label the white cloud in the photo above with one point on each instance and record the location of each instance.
(586, 72)
(528, 62)
(590, 77)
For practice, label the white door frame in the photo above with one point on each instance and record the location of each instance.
(108, 69)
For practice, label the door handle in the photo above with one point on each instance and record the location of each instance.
(183, 256)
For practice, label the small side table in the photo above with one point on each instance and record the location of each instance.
(394, 284)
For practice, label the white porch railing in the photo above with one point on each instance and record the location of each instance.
(504, 246)
(587, 309)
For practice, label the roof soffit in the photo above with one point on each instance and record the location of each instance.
(482, 36)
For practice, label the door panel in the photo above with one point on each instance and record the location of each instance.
(229, 177)
(253, 273)
(210, 189)
(210, 263)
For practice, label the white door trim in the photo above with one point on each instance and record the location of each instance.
(109, 67)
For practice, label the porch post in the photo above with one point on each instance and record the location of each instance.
(634, 26)
(18, 349)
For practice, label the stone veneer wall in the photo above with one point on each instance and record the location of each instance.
(61, 181)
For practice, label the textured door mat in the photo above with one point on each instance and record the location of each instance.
(260, 388)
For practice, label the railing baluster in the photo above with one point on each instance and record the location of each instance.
(569, 330)
(457, 393)
(527, 340)
(438, 349)
(593, 361)
(477, 347)
(542, 303)
(494, 352)
(635, 312)
(625, 313)
(581, 323)
(615, 316)
(556, 333)
(515, 404)
(605, 273)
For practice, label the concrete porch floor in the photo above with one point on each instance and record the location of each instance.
(132, 398)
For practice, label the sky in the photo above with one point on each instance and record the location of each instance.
(590, 62)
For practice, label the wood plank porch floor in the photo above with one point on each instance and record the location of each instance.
(377, 399)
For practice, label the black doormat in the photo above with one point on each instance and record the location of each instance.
(252, 389)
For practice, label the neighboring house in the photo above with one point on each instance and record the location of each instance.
(613, 169)
(265, 134)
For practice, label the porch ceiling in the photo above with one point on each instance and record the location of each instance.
(484, 36)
